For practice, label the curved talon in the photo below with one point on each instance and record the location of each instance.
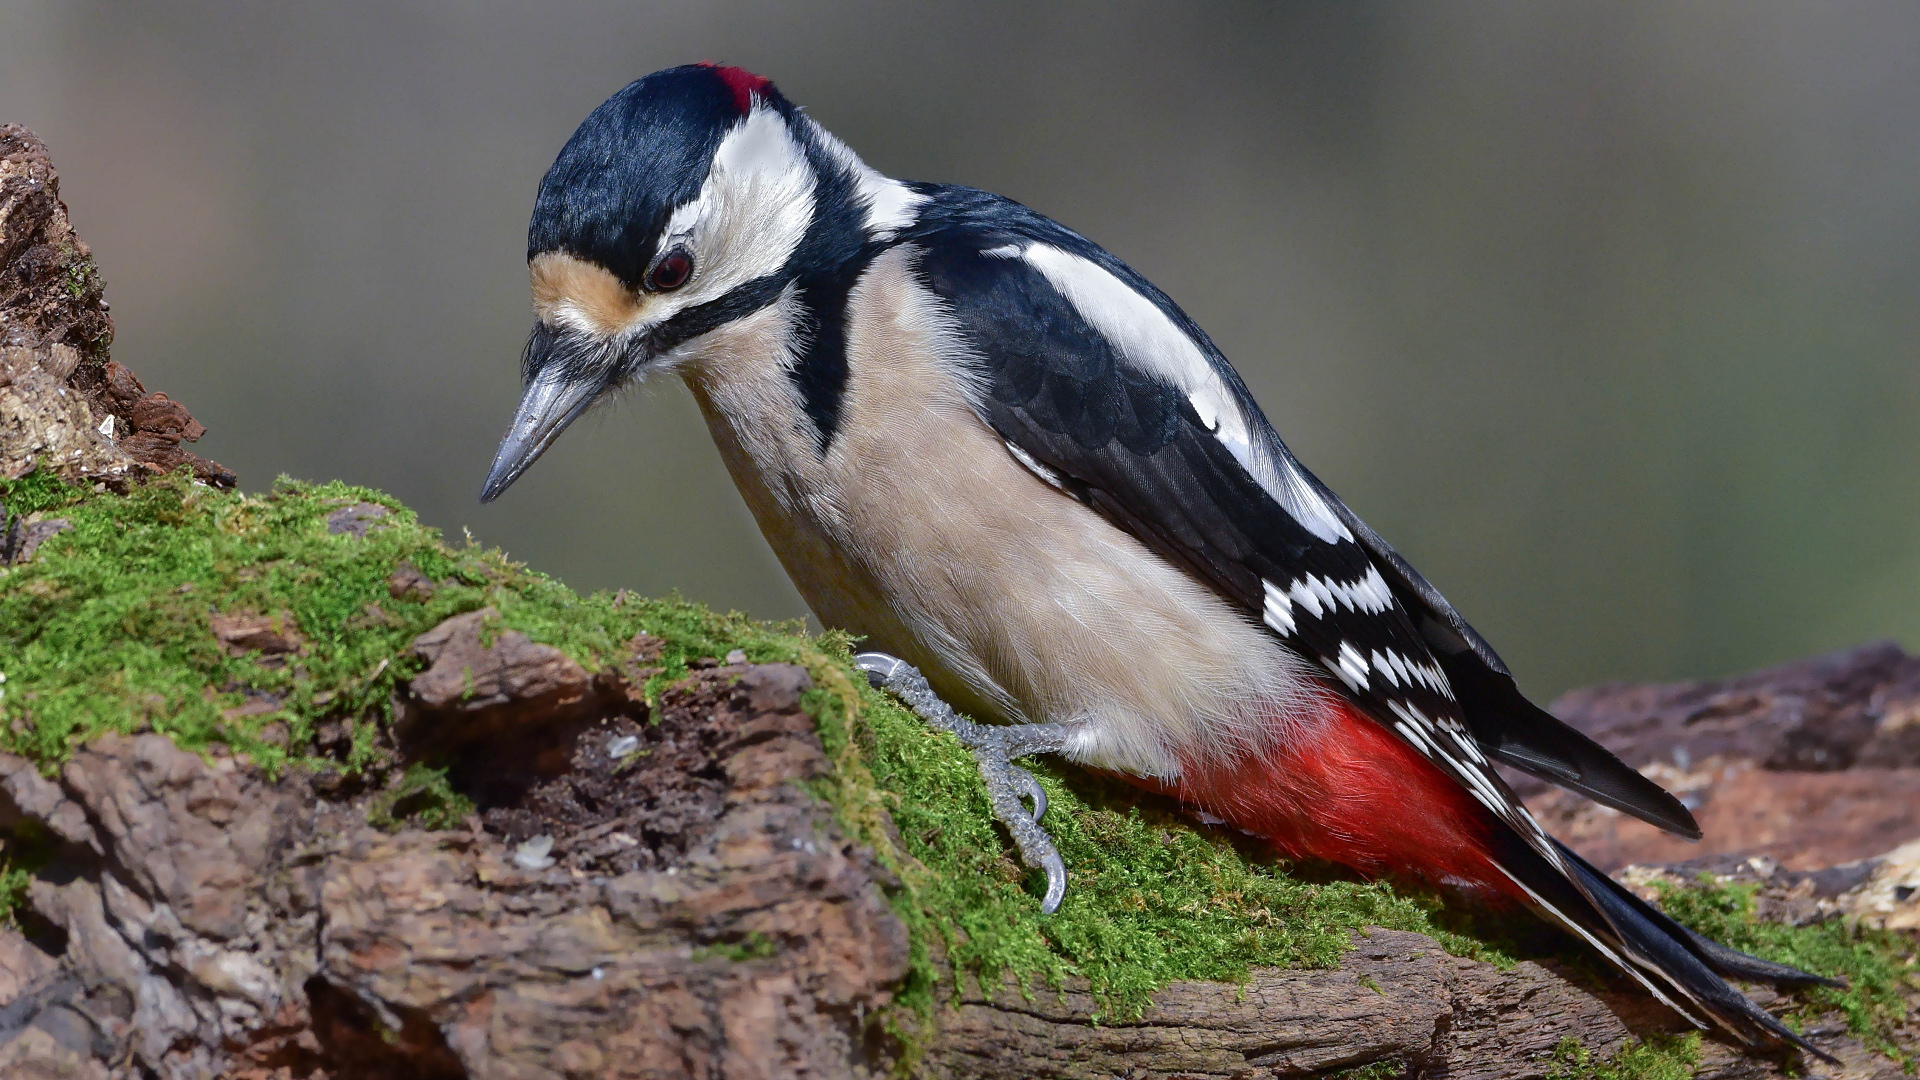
(1005, 784)
(1056, 869)
(1031, 789)
(880, 667)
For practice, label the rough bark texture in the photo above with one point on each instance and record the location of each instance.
(211, 922)
(649, 895)
(64, 405)
(1396, 998)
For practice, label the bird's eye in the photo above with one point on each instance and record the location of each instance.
(672, 271)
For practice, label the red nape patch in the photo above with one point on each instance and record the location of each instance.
(1355, 794)
(744, 84)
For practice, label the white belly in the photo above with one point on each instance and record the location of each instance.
(921, 532)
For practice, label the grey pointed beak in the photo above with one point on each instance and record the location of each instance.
(547, 406)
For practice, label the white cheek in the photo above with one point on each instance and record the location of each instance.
(750, 216)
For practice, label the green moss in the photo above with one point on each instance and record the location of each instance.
(36, 491)
(756, 946)
(13, 888)
(80, 274)
(1664, 1057)
(108, 628)
(421, 799)
(1389, 1069)
(1876, 964)
(25, 850)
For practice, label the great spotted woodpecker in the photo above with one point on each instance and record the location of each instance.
(1002, 456)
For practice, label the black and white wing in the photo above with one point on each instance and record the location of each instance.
(1099, 384)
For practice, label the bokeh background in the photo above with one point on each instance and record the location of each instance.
(1605, 314)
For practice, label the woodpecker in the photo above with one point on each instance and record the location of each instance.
(1038, 490)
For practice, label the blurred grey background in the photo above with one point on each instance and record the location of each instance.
(1605, 314)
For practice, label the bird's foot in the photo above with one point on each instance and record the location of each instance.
(994, 746)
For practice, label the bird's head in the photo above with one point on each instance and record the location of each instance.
(686, 202)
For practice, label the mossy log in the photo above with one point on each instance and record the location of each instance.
(290, 788)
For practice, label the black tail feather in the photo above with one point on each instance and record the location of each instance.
(1687, 967)
(1735, 964)
(1729, 962)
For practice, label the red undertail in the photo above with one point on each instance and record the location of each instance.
(1355, 794)
(1352, 793)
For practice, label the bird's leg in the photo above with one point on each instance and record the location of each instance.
(994, 748)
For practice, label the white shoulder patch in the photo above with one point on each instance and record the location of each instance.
(1146, 337)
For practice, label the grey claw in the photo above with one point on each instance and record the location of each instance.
(1005, 784)
(1056, 869)
(879, 666)
(1031, 789)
